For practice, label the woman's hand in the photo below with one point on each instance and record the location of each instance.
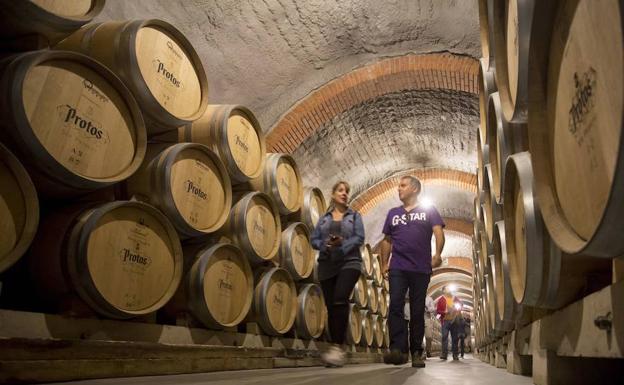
(334, 241)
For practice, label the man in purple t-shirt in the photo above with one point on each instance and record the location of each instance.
(408, 230)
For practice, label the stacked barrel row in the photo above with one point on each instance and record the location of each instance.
(369, 304)
(550, 173)
(151, 198)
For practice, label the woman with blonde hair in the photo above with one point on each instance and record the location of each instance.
(338, 236)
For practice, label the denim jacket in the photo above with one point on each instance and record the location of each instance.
(352, 229)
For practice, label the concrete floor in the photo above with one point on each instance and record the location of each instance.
(466, 372)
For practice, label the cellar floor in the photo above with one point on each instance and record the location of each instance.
(467, 371)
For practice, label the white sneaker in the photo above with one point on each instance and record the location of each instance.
(333, 357)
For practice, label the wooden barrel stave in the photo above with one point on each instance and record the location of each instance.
(507, 309)
(312, 208)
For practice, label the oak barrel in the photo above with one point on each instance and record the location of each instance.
(157, 63)
(485, 32)
(505, 138)
(188, 183)
(71, 121)
(254, 225)
(359, 295)
(275, 301)
(382, 295)
(354, 327)
(218, 287)
(311, 312)
(295, 253)
(487, 86)
(312, 208)
(377, 273)
(373, 299)
(575, 124)
(53, 19)
(367, 259)
(492, 211)
(234, 133)
(378, 330)
(367, 328)
(19, 209)
(281, 180)
(122, 258)
(505, 303)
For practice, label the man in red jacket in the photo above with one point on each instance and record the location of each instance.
(448, 309)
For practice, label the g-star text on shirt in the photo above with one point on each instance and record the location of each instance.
(402, 219)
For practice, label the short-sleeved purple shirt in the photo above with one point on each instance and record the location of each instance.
(411, 233)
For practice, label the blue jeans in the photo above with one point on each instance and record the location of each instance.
(448, 326)
(400, 282)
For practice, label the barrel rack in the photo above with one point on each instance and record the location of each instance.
(575, 345)
(38, 347)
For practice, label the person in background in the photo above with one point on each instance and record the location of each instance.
(408, 231)
(430, 309)
(338, 236)
(448, 314)
(467, 333)
(461, 333)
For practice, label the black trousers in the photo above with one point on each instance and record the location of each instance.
(400, 282)
(336, 291)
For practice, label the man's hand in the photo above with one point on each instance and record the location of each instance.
(436, 261)
(384, 269)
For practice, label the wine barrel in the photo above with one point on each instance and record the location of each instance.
(528, 245)
(156, 61)
(188, 183)
(484, 253)
(19, 209)
(382, 294)
(313, 277)
(575, 125)
(359, 295)
(312, 209)
(486, 31)
(295, 253)
(378, 330)
(483, 158)
(52, 19)
(275, 301)
(311, 312)
(367, 328)
(367, 259)
(386, 284)
(377, 274)
(505, 138)
(373, 299)
(354, 327)
(254, 226)
(71, 121)
(513, 33)
(282, 181)
(218, 287)
(497, 326)
(492, 211)
(122, 258)
(487, 86)
(505, 304)
(234, 133)
(386, 342)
